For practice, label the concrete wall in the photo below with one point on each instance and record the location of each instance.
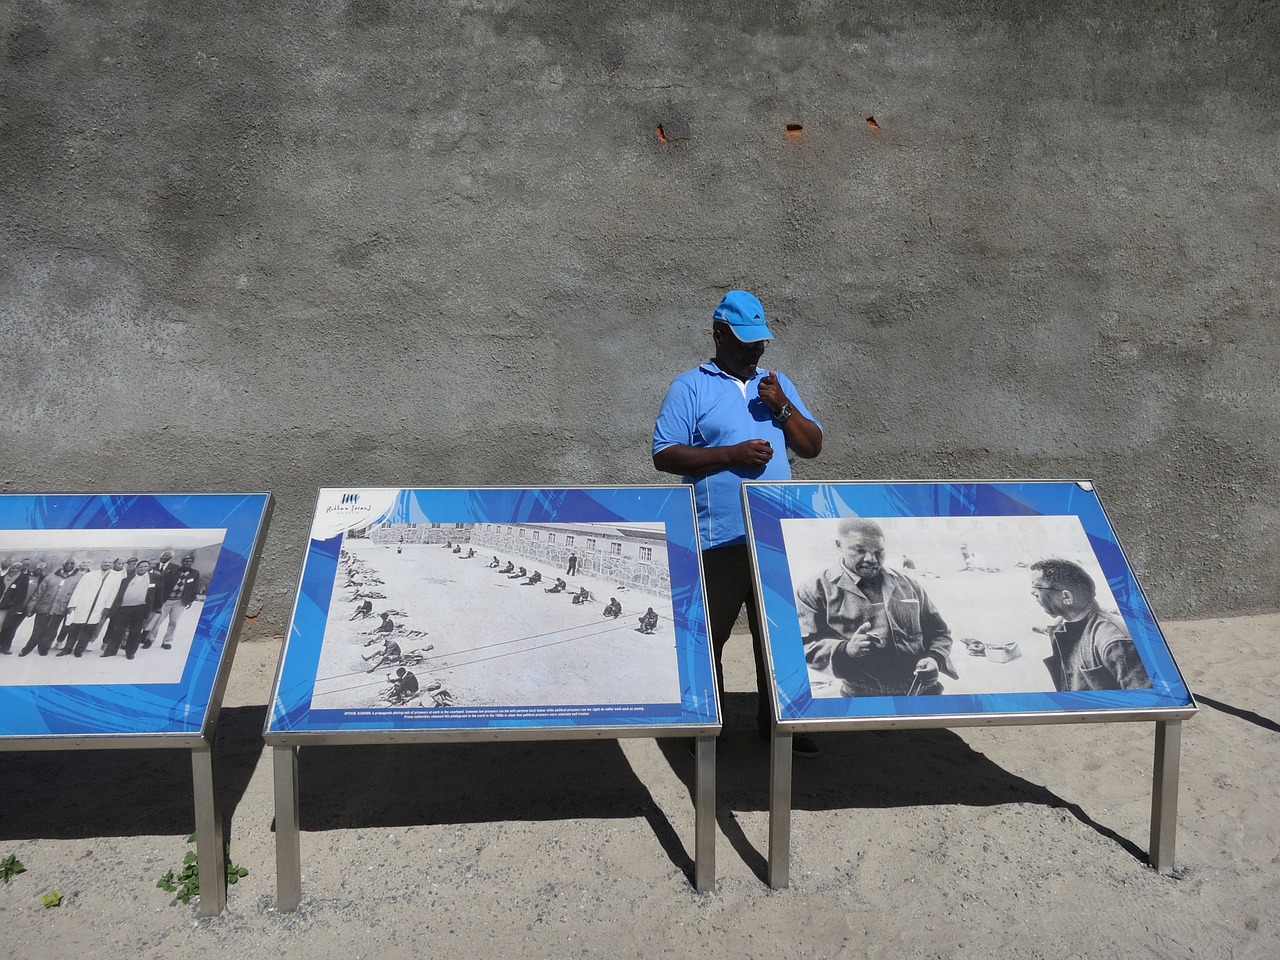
(274, 246)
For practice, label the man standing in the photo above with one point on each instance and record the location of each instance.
(48, 603)
(721, 423)
(83, 569)
(13, 601)
(110, 590)
(89, 601)
(178, 592)
(1091, 650)
(164, 571)
(573, 564)
(873, 628)
(134, 604)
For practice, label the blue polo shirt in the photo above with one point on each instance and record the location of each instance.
(707, 407)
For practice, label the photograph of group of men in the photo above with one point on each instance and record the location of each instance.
(956, 605)
(89, 596)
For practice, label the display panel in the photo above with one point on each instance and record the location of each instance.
(920, 599)
(512, 607)
(116, 609)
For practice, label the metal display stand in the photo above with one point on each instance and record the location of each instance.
(322, 698)
(250, 515)
(1164, 792)
(985, 565)
(288, 816)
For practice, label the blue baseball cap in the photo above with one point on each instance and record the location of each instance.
(745, 315)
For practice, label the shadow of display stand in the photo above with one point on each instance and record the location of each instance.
(827, 572)
(403, 548)
(140, 699)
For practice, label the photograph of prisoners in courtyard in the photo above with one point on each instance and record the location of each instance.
(970, 579)
(499, 615)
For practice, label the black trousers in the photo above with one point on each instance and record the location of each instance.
(9, 628)
(728, 581)
(43, 633)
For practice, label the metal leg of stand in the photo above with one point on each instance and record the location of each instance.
(210, 852)
(780, 812)
(1164, 794)
(704, 801)
(288, 847)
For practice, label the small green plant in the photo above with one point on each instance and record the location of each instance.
(10, 867)
(51, 899)
(186, 883)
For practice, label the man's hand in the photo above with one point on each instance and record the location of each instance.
(863, 642)
(804, 436)
(751, 453)
(927, 670)
(771, 392)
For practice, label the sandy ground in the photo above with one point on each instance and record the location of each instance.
(1007, 842)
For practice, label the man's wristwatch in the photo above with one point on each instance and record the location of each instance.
(785, 413)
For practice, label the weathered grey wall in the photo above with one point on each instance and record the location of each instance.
(275, 246)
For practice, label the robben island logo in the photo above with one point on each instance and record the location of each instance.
(347, 503)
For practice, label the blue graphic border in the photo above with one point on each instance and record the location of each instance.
(164, 709)
(769, 503)
(291, 711)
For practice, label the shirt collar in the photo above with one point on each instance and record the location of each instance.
(711, 367)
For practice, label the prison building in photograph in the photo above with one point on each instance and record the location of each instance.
(395, 533)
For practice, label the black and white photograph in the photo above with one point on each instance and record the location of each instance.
(116, 606)
(499, 614)
(908, 606)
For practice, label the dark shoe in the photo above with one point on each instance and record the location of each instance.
(803, 746)
(692, 744)
(78, 653)
(128, 656)
(24, 653)
(65, 653)
(166, 646)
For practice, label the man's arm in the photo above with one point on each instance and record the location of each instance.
(191, 589)
(689, 461)
(1117, 650)
(675, 430)
(803, 435)
(937, 635)
(35, 597)
(824, 648)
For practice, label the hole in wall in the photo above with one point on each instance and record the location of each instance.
(871, 123)
(662, 134)
(795, 129)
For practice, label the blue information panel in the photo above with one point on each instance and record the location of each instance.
(953, 600)
(115, 610)
(495, 608)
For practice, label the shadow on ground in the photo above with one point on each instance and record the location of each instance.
(106, 792)
(394, 785)
(862, 770)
